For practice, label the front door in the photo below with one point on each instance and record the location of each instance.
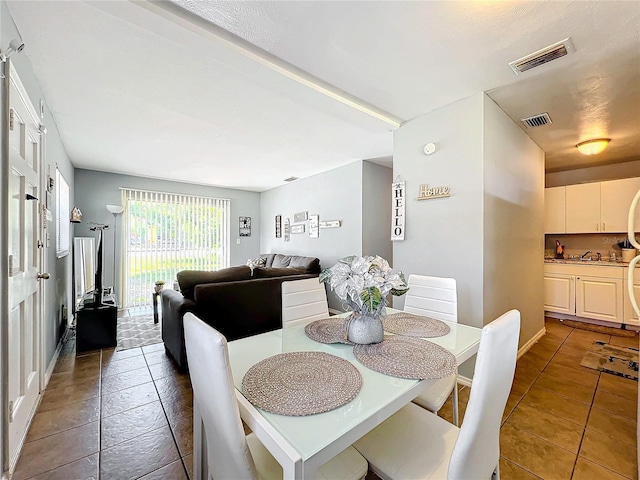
(25, 164)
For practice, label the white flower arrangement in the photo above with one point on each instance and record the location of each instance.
(364, 282)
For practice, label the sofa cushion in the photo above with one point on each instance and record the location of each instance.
(268, 259)
(188, 279)
(280, 261)
(261, 272)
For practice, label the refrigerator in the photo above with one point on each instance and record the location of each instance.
(631, 229)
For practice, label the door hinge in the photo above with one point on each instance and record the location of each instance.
(12, 114)
(11, 410)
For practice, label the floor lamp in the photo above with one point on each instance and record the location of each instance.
(115, 210)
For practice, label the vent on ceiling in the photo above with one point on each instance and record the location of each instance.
(537, 120)
(291, 179)
(545, 55)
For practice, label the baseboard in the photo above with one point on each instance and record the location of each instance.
(54, 359)
(333, 311)
(532, 341)
(466, 381)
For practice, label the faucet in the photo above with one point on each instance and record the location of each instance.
(585, 254)
(598, 256)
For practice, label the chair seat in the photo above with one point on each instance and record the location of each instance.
(348, 465)
(436, 395)
(411, 444)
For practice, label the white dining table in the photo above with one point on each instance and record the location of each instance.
(302, 444)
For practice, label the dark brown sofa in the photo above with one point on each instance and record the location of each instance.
(235, 301)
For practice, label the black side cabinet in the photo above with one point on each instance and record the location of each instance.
(96, 326)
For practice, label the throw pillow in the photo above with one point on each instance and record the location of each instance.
(256, 262)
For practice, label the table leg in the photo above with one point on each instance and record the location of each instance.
(155, 307)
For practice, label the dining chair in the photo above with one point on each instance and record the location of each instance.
(416, 444)
(435, 297)
(230, 454)
(303, 301)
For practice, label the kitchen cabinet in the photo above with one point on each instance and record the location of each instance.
(615, 200)
(587, 291)
(554, 210)
(630, 316)
(583, 208)
(598, 207)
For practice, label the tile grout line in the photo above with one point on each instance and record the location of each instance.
(175, 442)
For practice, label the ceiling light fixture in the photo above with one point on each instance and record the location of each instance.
(593, 147)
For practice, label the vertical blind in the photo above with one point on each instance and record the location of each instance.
(166, 232)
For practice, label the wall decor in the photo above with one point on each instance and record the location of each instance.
(297, 228)
(285, 227)
(314, 230)
(427, 193)
(330, 224)
(299, 217)
(63, 216)
(278, 226)
(245, 226)
(397, 211)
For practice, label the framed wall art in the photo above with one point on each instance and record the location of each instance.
(299, 217)
(285, 228)
(278, 226)
(314, 224)
(245, 226)
(297, 228)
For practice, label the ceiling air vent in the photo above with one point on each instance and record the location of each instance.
(552, 52)
(537, 120)
(291, 179)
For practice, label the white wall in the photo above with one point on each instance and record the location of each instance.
(513, 222)
(94, 190)
(593, 174)
(444, 236)
(489, 234)
(376, 210)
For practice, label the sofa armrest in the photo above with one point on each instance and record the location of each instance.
(174, 306)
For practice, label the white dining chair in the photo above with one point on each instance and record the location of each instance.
(435, 297)
(303, 301)
(229, 453)
(416, 444)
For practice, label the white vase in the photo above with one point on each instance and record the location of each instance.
(364, 328)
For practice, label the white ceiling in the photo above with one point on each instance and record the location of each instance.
(150, 89)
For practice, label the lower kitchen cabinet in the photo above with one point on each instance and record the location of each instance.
(587, 291)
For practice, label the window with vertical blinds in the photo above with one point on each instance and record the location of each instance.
(166, 232)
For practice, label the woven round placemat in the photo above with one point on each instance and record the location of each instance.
(301, 383)
(410, 325)
(407, 358)
(327, 330)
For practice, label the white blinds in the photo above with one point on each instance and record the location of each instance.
(166, 232)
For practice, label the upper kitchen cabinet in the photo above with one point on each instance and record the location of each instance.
(616, 197)
(554, 206)
(583, 208)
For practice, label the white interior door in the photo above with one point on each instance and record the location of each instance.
(25, 164)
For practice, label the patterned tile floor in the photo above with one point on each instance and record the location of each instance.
(128, 414)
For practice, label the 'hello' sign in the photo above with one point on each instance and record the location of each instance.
(397, 211)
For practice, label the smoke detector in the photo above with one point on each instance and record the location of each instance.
(545, 55)
(537, 120)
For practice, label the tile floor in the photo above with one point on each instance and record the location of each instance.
(126, 415)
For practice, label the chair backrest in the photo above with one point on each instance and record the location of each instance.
(303, 301)
(477, 449)
(228, 454)
(434, 297)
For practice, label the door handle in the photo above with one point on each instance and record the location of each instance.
(43, 276)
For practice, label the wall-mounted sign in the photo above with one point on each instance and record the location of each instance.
(299, 217)
(330, 224)
(397, 211)
(427, 193)
(285, 228)
(314, 220)
(278, 226)
(297, 228)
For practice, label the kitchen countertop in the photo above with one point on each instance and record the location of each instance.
(595, 263)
